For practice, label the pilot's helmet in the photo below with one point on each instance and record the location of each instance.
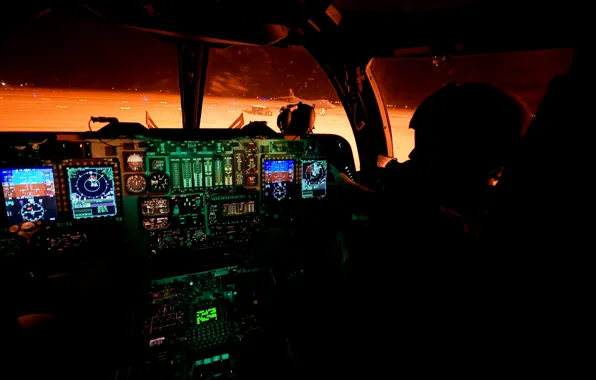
(296, 119)
(468, 130)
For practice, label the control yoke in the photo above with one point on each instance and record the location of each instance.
(26, 230)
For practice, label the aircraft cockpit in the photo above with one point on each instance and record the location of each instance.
(168, 214)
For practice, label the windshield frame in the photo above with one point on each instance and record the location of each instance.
(360, 97)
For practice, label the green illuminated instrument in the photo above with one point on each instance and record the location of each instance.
(206, 315)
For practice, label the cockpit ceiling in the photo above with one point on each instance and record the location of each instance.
(383, 26)
(403, 6)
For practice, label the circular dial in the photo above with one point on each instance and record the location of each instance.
(93, 184)
(136, 184)
(314, 173)
(199, 235)
(32, 212)
(159, 182)
(279, 192)
(135, 162)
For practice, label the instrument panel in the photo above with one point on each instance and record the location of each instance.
(151, 208)
(174, 195)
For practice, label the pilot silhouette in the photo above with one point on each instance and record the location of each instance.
(464, 135)
(438, 208)
(296, 119)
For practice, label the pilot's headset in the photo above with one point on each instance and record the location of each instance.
(296, 119)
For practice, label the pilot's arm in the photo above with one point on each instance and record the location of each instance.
(342, 182)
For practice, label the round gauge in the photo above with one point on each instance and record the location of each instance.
(159, 182)
(136, 184)
(199, 235)
(94, 184)
(279, 192)
(32, 212)
(314, 173)
(135, 162)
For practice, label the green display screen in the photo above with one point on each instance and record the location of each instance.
(206, 315)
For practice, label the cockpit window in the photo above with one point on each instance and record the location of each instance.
(252, 84)
(405, 82)
(58, 70)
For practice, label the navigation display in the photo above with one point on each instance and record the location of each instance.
(29, 194)
(92, 192)
(314, 178)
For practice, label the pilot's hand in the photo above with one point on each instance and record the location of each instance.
(337, 178)
(340, 180)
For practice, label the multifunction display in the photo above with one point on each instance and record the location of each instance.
(92, 191)
(314, 178)
(29, 194)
